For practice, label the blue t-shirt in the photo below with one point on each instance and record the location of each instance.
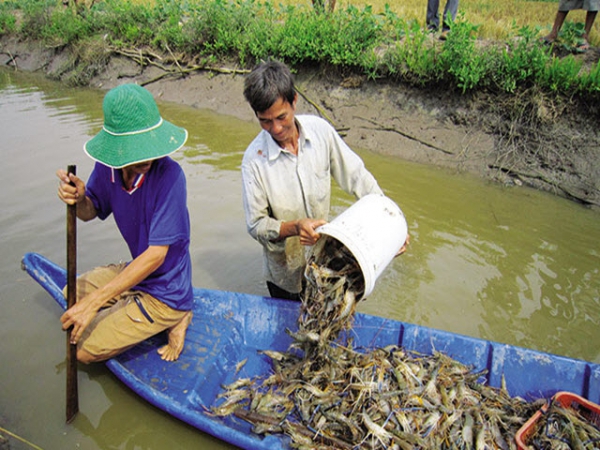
(154, 213)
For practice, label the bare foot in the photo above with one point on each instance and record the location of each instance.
(172, 350)
(548, 40)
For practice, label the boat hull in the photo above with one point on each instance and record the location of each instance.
(228, 328)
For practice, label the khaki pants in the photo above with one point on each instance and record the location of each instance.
(126, 320)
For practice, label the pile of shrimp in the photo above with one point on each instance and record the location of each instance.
(325, 394)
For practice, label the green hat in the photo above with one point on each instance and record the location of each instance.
(133, 129)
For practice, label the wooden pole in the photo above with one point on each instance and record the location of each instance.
(72, 394)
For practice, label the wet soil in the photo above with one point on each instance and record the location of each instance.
(529, 138)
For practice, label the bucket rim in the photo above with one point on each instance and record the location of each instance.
(350, 229)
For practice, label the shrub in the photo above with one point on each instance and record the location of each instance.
(461, 59)
(413, 58)
(520, 62)
(561, 75)
(379, 45)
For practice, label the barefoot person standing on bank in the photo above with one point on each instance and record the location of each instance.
(136, 181)
(564, 6)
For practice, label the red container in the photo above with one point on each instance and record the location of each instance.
(590, 411)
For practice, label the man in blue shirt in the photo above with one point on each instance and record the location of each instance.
(136, 181)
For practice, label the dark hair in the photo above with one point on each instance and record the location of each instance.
(268, 82)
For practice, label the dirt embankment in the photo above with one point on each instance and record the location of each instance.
(548, 143)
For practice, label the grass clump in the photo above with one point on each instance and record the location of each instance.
(521, 62)
(465, 63)
(379, 43)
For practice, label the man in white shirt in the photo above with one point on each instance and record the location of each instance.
(286, 174)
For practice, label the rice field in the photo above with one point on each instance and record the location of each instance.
(496, 18)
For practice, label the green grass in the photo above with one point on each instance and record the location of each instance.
(490, 47)
(494, 19)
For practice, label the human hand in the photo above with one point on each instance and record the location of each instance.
(69, 193)
(306, 230)
(404, 247)
(78, 317)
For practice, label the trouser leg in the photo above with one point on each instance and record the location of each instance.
(450, 11)
(277, 292)
(432, 19)
(124, 321)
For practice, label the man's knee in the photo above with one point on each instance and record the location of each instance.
(87, 358)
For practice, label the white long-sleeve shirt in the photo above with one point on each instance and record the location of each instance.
(279, 186)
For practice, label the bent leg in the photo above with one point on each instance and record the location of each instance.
(124, 322)
(96, 278)
(128, 322)
(172, 350)
(87, 358)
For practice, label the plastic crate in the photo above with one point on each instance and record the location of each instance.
(590, 411)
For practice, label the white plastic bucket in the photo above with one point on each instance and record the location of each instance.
(373, 229)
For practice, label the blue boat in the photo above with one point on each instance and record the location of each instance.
(230, 327)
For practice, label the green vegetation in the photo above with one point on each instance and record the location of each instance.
(379, 44)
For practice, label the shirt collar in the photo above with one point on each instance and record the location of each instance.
(273, 148)
(137, 183)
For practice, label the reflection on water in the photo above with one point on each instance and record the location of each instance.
(507, 264)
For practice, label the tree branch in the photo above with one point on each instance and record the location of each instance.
(406, 135)
(568, 190)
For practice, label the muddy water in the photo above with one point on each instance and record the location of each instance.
(507, 264)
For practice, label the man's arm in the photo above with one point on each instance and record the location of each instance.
(349, 170)
(259, 221)
(304, 228)
(81, 314)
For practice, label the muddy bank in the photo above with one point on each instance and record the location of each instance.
(530, 139)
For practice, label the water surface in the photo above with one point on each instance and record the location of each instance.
(507, 264)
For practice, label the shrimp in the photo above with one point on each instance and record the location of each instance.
(375, 430)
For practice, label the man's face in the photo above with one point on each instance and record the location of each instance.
(139, 168)
(278, 120)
